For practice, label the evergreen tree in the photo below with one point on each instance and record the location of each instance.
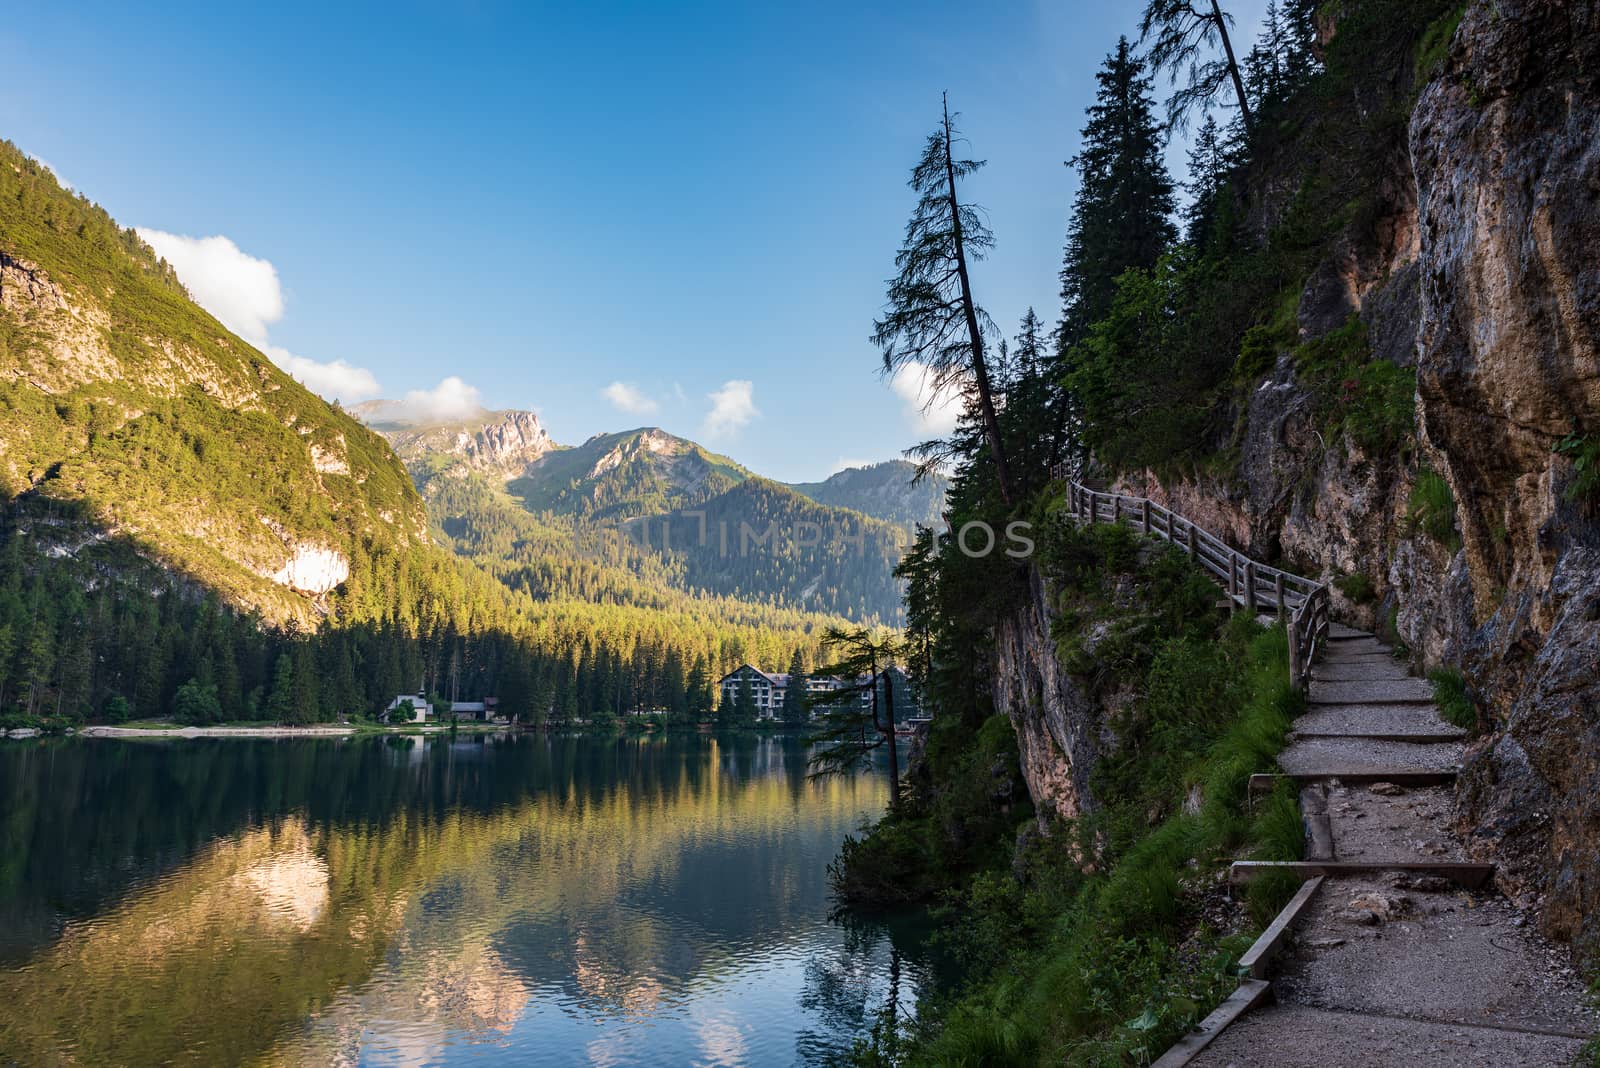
(744, 710)
(1208, 167)
(280, 700)
(196, 702)
(796, 708)
(307, 689)
(1186, 33)
(853, 728)
(1121, 214)
(699, 687)
(932, 321)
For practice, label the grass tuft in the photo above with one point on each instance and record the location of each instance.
(1432, 509)
(1450, 694)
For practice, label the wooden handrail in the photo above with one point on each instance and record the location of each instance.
(1300, 603)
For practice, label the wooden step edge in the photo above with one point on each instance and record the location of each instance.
(1313, 701)
(1263, 783)
(1257, 960)
(1319, 829)
(1435, 738)
(1251, 992)
(1467, 874)
(1331, 637)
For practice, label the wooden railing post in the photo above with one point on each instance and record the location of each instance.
(1278, 590)
(1250, 586)
(1194, 542)
(1294, 656)
(1116, 507)
(1144, 516)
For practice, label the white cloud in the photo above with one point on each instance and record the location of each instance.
(244, 293)
(930, 409)
(335, 379)
(450, 400)
(732, 407)
(626, 397)
(240, 290)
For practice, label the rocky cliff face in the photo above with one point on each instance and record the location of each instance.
(1506, 150)
(1056, 723)
(503, 444)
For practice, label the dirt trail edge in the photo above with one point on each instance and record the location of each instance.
(1394, 967)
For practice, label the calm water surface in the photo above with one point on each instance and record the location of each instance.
(407, 901)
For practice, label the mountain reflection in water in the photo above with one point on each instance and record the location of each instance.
(552, 900)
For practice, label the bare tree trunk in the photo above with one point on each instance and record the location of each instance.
(980, 370)
(1233, 65)
(894, 751)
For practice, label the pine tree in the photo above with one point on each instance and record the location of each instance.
(796, 708)
(1121, 214)
(852, 728)
(1208, 167)
(699, 687)
(280, 700)
(1186, 32)
(932, 320)
(307, 685)
(745, 710)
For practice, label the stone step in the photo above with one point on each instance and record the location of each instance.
(1417, 722)
(1338, 632)
(1373, 657)
(1467, 874)
(1351, 647)
(1372, 669)
(1266, 783)
(1300, 1036)
(1370, 693)
(1344, 756)
(1389, 824)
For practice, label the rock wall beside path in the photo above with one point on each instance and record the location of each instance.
(1505, 146)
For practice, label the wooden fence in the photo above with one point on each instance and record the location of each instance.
(1300, 603)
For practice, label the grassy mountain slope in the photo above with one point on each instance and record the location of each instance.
(123, 397)
(763, 541)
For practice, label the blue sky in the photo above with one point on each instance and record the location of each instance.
(616, 215)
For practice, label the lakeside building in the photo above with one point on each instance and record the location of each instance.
(424, 712)
(420, 710)
(769, 687)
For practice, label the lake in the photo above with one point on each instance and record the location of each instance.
(405, 901)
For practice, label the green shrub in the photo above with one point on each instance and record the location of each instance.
(1432, 509)
(1584, 452)
(1378, 409)
(1358, 588)
(1450, 694)
(1434, 48)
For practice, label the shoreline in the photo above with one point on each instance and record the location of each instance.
(325, 730)
(102, 730)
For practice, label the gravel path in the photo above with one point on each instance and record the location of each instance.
(1391, 968)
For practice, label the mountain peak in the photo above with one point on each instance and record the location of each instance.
(503, 443)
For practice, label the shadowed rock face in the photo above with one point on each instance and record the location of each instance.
(1056, 722)
(1506, 152)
